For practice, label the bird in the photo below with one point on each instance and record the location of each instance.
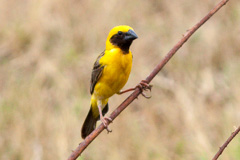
(110, 73)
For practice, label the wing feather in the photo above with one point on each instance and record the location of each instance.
(96, 72)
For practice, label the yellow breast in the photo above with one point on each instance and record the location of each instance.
(117, 67)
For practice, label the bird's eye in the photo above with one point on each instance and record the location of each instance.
(120, 33)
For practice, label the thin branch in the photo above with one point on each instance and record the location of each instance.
(81, 147)
(221, 149)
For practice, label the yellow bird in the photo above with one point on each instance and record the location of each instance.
(110, 73)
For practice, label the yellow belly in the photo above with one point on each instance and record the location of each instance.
(117, 67)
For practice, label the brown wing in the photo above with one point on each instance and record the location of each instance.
(96, 72)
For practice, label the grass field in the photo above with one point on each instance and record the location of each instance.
(48, 47)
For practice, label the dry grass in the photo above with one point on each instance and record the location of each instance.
(47, 49)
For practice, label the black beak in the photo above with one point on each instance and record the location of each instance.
(130, 35)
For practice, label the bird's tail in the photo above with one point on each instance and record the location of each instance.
(89, 124)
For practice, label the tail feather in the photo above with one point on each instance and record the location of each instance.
(89, 124)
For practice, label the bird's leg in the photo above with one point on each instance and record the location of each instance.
(127, 90)
(143, 86)
(104, 119)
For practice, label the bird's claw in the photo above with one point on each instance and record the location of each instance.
(108, 119)
(104, 121)
(144, 95)
(144, 86)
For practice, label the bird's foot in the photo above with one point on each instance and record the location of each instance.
(144, 86)
(104, 121)
(108, 119)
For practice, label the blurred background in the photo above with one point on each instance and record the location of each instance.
(47, 50)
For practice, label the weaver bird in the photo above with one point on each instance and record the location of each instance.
(109, 74)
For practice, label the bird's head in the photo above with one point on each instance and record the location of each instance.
(121, 37)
